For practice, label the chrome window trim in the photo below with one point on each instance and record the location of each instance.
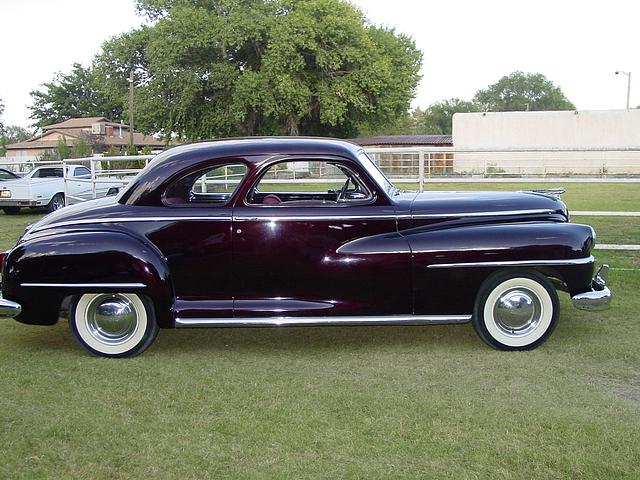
(514, 263)
(85, 285)
(318, 321)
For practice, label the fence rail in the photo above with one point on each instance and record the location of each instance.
(417, 165)
(102, 174)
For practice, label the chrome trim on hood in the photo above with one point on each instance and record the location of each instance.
(515, 263)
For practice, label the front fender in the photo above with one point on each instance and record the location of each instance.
(450, 264)
(39, 273)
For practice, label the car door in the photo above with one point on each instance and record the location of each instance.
(196, 241)
(316, 237)
(79, 182)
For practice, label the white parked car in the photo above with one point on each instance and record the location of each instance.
(44, 187)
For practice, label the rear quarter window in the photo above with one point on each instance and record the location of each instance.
(209, 186)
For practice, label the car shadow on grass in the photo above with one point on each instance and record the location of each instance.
(317, 339)
(293, 339)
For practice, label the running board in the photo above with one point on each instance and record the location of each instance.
(321, 321)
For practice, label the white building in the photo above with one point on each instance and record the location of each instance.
(572, 142)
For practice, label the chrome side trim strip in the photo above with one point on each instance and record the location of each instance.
(86, 221)
(514, 263)
(85, 285)
(298, 218)
(272, 218)
(322, 321)
(480, 214)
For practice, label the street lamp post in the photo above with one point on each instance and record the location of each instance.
(628, 74)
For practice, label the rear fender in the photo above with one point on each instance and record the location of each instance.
(450, 264)
(41, 272)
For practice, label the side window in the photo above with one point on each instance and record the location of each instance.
(82, 172)
(213, 186)
(309, 183)
(48, 172)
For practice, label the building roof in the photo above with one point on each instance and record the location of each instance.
(84, 122)
(41, 141)
(404, 140)
(71, 134)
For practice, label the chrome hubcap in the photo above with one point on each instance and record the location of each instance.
(517, 311)
(58, 203)
(111, 319)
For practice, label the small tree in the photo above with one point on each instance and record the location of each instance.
(62, 149)
(437, 118)
(113, 151)
(49, 156)
(81, 148)
(132, 150)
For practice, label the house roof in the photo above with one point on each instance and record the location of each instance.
(84, 122)
(40, 142)
(408, 140)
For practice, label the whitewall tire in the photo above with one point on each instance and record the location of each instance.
(516, 310)
(113, 324)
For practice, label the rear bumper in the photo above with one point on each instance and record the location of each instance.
(599, 297)
(9, 309)
(20, 203)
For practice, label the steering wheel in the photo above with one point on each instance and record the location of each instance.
(343, 191)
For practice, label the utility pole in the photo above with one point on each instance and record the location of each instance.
(628, 74)
(131, 109)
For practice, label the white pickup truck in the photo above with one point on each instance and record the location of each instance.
(44, 187)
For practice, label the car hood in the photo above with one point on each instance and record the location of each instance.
(463, 204)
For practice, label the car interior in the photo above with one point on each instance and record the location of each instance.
(319, 184)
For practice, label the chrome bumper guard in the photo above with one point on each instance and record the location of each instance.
(599, 297)
(9, 309)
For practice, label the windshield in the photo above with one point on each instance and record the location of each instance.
(379, 177)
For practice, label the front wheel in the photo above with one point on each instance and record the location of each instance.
(113, 324)
(516, 310)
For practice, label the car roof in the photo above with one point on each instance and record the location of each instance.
(251, 146)
(252, 149)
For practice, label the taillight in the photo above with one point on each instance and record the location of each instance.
(2, 255)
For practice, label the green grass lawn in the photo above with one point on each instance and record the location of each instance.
(380, 402)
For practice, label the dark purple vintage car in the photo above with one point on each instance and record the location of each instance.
(297, 232)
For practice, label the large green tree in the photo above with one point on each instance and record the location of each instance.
(522, 91)
(74, 94)
(208, 68)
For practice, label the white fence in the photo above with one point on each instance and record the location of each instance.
(112, 172)
(416, 165)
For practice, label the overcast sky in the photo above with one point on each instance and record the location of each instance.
(467, 44)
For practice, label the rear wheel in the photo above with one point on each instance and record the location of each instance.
(56, 203)
(113, 324)
(516, 310)
(11, 210)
